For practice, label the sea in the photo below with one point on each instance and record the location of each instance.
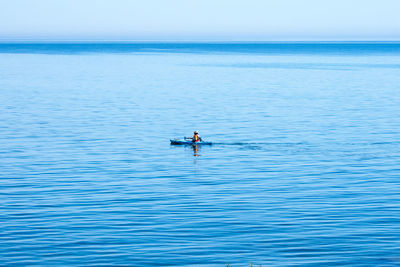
(304, 169)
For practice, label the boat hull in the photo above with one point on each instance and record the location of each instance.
(185, 142)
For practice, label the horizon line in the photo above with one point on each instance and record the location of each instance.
(132, 41)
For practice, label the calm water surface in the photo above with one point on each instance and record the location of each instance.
(305, 170)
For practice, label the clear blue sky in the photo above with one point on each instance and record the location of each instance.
(200, 20)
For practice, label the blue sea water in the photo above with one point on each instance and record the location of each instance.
(305, 169)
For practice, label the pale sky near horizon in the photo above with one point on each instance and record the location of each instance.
(200, 20)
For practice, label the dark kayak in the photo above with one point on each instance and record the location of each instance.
(187, 142)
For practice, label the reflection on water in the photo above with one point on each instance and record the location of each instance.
(196, 149)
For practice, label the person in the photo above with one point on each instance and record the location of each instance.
(196, 137)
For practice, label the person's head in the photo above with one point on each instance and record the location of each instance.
(196, 132)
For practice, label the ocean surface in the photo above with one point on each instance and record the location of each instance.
(304, 170)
